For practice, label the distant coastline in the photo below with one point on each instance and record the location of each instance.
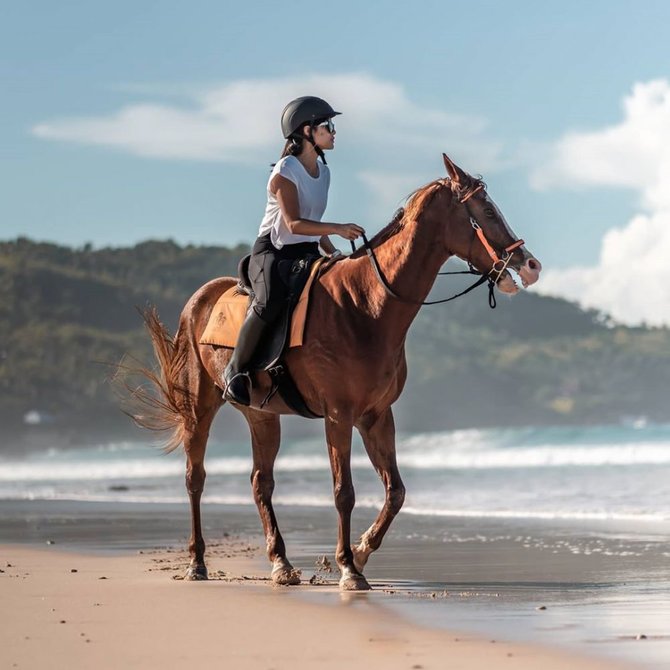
(68, 315)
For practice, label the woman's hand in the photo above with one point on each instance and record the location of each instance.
(349, 231)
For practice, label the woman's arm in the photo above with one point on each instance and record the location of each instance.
(327, 245)
(287, 197)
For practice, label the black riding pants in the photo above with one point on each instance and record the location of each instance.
(269, 288)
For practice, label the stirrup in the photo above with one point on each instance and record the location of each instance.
(239, 394)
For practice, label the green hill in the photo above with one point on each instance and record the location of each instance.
(65, 314)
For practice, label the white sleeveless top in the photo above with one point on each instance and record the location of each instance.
(312, 201)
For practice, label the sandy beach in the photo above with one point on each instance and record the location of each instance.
(70, 609)
(536, 565)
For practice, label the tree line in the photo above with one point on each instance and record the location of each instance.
(67, 315)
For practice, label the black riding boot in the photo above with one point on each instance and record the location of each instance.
(236, 381)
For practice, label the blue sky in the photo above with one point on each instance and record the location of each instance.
(128, 121)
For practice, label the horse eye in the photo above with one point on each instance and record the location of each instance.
(490, 213)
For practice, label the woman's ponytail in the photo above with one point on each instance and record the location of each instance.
(293, 147)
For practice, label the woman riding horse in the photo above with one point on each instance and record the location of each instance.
(363, 305)
(291, 228)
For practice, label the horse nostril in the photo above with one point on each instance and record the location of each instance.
(533, 264)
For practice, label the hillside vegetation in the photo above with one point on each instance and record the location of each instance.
(66, 314)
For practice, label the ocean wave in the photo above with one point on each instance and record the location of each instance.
(162, 498)
(430, 457)
(89, 470)
(146, 468)
(326, 501)
(548, 515)
(540, 456)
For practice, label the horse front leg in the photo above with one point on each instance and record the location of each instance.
(338, 438)
(265, 431)
(378, 433)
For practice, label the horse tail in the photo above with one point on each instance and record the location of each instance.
(165, 404)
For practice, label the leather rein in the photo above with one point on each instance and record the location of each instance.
(500, 262)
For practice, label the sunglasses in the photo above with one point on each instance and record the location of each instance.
(329, 125)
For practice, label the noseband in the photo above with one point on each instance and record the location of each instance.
(505, 257)
(500, 262)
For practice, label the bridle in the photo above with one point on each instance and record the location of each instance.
(506, 255)
(500, 261)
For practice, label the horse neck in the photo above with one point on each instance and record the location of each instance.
(409, 260)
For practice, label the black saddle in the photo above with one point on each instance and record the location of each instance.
(294, 274)
(243, 283)
(268, 354)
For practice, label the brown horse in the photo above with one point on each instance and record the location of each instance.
(350, 370)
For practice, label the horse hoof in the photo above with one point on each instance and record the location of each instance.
(354, 583)
(196, 573)
(286, 576)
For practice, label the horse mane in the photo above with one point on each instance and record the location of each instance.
(421, 198)
(395, 225)
(415, 204)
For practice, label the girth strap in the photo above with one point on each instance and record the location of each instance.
(283, 383)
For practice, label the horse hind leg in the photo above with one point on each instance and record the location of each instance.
(195, 444)
(265, 440)
(378, 435)
(186, 403)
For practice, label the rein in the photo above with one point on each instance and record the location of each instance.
(499, 266)
(382, 280)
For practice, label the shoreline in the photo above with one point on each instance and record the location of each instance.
(131, 611)
(578, 589)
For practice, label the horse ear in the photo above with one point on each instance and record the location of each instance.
(456, 174)
(452, 170)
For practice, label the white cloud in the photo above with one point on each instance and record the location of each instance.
(630, 279)
(231, 121)
(632, 274)
(384, 132)
(628, 154)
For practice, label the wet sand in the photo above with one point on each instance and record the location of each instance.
(435, 598)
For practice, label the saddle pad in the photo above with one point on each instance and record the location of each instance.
(231, 308)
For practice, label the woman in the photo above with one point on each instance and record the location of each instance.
(291, 228)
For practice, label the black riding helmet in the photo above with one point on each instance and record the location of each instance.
(306, 109)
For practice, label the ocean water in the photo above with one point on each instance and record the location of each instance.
(598, 473)
(496, 525)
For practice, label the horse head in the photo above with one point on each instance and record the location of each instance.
(479, 234)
